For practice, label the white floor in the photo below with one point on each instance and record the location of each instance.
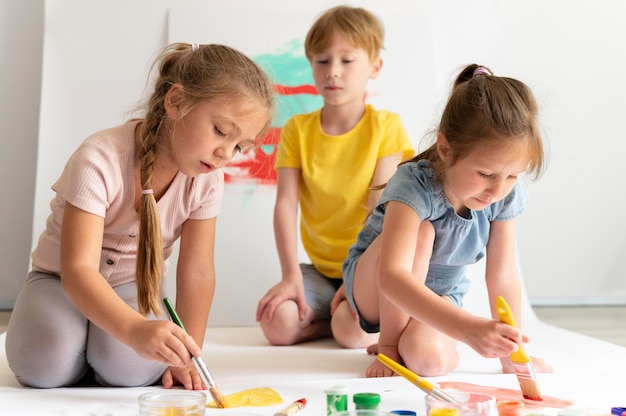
(607, 323)
(604, 322)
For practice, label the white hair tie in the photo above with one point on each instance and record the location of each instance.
(194, 46)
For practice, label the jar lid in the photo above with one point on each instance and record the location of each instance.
(368, 399)
(336, 390)
(510, 404)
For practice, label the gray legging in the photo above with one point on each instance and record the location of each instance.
(50, 343)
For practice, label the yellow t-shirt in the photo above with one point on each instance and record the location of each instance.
(335, 175)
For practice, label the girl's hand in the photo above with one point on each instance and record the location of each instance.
(281, 292)
(163, 341)
(187, 376)
(492, 338)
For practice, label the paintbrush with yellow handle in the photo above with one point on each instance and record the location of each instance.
(522, 364)
(217, 395)
(424, 385)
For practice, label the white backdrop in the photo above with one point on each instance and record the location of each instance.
(21, 39)
(97, 54)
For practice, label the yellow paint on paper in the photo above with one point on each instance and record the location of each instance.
(260, 396)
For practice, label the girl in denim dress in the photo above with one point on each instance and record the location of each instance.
(441, 211)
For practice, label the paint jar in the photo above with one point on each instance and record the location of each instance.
(404, 412)
(336, 399)
(444, 411)
(619, 411)
(366, 401)
(172, 403)
(471, 404)
(511, 408)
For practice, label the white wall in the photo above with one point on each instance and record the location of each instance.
(21, 38)
(571, 242)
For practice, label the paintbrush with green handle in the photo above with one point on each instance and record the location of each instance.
(198, 361)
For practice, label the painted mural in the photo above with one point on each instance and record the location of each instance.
(295, 94)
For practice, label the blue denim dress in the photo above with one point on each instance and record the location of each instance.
(458, 241)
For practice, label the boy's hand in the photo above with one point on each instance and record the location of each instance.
(279, 293)
(340, 295)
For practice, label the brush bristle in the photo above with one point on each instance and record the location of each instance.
(219, 398)
(530, 390)
(527, 381)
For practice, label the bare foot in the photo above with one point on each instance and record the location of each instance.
(372, 349)
(378, 369)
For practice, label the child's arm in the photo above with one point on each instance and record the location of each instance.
(385, 168)
(502, 278)
(501, 272)
(406, 289)
(291, 285)
(81, 246)
(195, 287)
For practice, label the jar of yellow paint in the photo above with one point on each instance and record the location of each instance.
(172, 403)
(470, 404)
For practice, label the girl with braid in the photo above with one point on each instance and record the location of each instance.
(91, 307)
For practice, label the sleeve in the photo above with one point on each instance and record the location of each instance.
(395, 137)
(209, 193)
(91, 179)
(413, 187)
(288, 155)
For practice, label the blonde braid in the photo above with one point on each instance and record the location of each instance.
(150, 248)
(150, 257)
(203, 73)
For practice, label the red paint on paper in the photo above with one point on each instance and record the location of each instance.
(502, 394)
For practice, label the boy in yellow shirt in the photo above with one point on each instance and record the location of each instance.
(327, 162)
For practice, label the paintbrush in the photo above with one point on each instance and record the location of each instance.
(217, 395)
(522, 363)
(293, 408)
(426, 386)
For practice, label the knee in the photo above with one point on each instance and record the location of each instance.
(44, 371)
(346, 329)
(47, 377)
(284, 326)
(39, 364)
(431, 364)
(142, 373)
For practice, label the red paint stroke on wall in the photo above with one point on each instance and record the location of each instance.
(257, 165)
(502, 394)
(297, 89)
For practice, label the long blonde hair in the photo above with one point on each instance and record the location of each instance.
(204, 72)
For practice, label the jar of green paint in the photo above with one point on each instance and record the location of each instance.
(336, 399)
(369, 401)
